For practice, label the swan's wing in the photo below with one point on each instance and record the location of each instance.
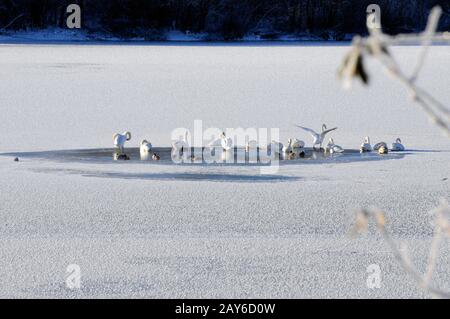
(119, 140)
(377, 146)
(224, 143)
(310, 131)
(329, 130)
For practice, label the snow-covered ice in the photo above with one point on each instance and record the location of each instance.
(140, 230)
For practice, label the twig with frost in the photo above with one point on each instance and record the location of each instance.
(376, 45)
(11, 22)
(442, 227)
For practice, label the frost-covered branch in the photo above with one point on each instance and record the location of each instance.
(11, 22)
(442, 228)
(376, 46)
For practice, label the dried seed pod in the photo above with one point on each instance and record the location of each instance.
(361, 222)
(360, 71)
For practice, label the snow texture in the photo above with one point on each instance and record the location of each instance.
(169, 237)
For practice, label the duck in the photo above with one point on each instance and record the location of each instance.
(365, 146)
(121, 157)
(155, 157)
(317, 137)
(333, 148)
(383, 150)
(145, 147)
(397, 146)
(120, 139)
(377, 146)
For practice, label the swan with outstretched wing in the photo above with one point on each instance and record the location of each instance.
(317, 138)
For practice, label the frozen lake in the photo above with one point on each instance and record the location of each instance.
(160, 230)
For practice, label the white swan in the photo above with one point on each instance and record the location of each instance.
(292, 145)
(365, 146)
(145, 147)
(225, 142)
(222, 141)
(296, 143)
(317, 138)
(397, 146)
(182, 143)
(377, 146)
(333, 148)
(275, 147)
(120, 139)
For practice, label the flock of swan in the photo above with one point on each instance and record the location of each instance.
(293, 146)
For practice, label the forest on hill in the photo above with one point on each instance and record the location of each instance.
(221, 19)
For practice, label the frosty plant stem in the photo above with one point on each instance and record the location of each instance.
(377, 44)
(442, 227)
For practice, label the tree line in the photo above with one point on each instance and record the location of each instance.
(221, 19)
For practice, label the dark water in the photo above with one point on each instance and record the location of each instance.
(205, 156)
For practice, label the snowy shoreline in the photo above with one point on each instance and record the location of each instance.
(57, 35)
